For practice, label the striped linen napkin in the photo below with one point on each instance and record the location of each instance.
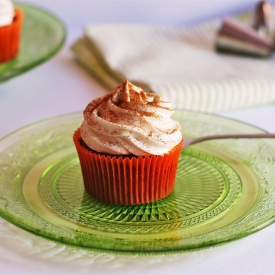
(178, 63)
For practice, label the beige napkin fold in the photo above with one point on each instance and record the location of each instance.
(179, 63)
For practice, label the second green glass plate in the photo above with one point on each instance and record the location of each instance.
(43, 35)
(224, 190)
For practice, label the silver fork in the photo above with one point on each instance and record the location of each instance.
(188, 142)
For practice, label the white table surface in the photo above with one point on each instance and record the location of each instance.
(60, 86)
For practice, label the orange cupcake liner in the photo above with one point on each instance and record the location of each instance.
(10, 37)
(127, 181)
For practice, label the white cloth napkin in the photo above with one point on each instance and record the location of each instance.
(178, 63)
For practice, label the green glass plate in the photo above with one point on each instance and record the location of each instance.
(224, 190)
(42, 36)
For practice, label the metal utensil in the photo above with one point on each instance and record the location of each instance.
(188, 142)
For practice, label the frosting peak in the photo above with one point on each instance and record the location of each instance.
(6, 12)
(127, 92)
(130, 121)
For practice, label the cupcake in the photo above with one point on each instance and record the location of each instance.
(128, 147)
(11, 20)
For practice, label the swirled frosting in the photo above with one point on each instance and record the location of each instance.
(6, 12)
(130, 121)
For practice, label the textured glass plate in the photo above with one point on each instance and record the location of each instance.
(224, 190)
(42, 36)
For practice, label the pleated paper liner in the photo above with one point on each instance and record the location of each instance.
(127, 180)
(10, 37)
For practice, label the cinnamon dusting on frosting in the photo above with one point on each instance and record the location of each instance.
(130, 121)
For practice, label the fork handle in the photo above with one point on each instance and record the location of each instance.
(227, 136)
